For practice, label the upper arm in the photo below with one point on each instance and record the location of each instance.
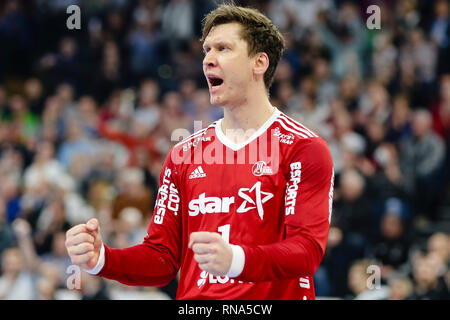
(309, 192)
(164, 230)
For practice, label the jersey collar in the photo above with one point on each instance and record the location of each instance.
(236, 146)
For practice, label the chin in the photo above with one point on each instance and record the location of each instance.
(216, 102)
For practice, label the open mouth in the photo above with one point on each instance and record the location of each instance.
(215, 82)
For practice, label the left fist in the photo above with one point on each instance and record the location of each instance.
(212, 253)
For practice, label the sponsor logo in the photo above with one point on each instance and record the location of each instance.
(197, 173)
(168, 198)
(292, 188)
(284, 138)
(206, 277)
(253, 198)
(260, 168)
(256, 202)
(195, 142)
(195, 150)
(204, 204)
(304, 283)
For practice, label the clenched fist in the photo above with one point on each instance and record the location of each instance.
(83, 243)
(212, 253)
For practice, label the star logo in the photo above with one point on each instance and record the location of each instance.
(260, 198)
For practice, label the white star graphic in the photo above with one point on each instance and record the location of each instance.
(259, 200)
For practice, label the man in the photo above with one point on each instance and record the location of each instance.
(238, 221)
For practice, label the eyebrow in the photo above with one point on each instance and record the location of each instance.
(217, 43)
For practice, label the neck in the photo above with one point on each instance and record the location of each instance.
(247, 117)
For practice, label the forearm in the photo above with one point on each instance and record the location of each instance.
(290, 258)
(140, 265)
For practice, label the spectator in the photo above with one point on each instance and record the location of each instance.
(144, 45)
(326, 85)
(385, 181)
(438, 245)
(23, 121)
(177, 22)
(16, 283)
(392, 249)
(7, 236)
(77, 148)
(399, 122)
(440, 34)
(360, 285)
(351, 212)
(132, 193)
(34, 93)
(350, 224)
(421, 161)
(46, 170)
(148, 110)
(45, 289)
(10, 192)
(384, 57)
(401, 288)
(344, 40)
(428, 285)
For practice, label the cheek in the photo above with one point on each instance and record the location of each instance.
(240, 78)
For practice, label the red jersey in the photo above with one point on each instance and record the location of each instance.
(271, 195)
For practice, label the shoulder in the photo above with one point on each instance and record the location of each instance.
(301, 143)
(183, 152)
(287, 127)
(190, 142)
(296, 135)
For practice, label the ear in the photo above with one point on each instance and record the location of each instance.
(261, 64)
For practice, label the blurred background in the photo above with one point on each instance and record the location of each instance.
(86, 118)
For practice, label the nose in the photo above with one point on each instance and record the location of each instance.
(209, 60)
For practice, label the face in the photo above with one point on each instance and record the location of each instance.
(392, 227)
(227, 67)
(11, 261)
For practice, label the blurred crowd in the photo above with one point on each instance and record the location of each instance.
(87, 117)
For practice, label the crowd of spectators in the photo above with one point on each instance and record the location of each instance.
(88, 115)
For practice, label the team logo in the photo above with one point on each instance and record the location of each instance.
(260, 168)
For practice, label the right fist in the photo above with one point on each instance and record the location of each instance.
(83, 243)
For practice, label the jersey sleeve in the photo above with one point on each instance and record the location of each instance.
(154, 262)
(307, 212)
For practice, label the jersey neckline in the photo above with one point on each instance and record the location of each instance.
(237, 146)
